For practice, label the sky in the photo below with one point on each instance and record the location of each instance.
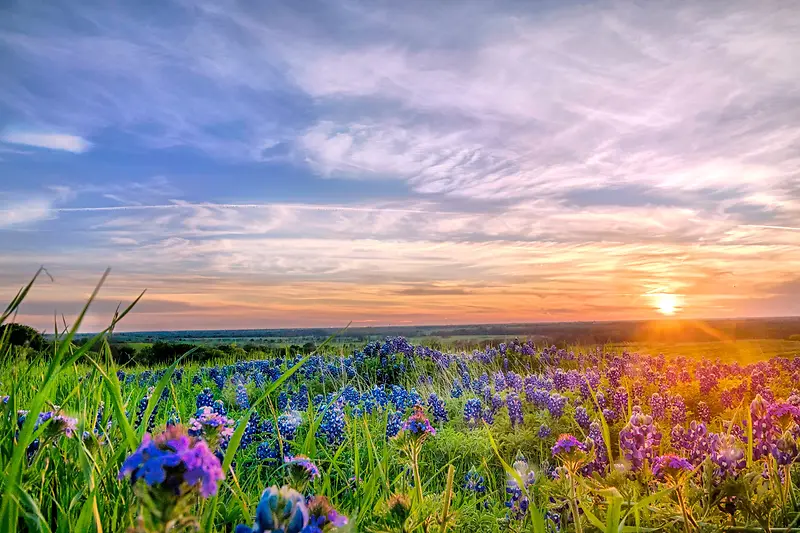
(282, 164)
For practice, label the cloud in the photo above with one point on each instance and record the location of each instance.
(50, 141)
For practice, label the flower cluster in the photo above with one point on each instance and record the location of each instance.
(639, 439)
(173, 462)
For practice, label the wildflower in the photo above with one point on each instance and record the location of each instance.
(472, 411)
(456, 391)
(418, 426)
(582, 417)
(301, 468)
(268, 452)
(670, 467)
(174, 463)
(657, 406)
(728, 456)
(620, 400)
(215, 428)
(763, 428)
(437, 408)
(518, 503)
(393, 424)
(474, 482)
(544, 431)
(299, 400)
(242, 400)
(205, 399)
(514, 409)
(567, 446)
(281, 510)
(678, 409)
(323, 516)
(784, 449)
(785, 414)
(639, 439)
(219, 408)
(288, 423)
(703, 412)
(556, 404)
(332, 426)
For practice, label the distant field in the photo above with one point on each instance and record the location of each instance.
(743, 351)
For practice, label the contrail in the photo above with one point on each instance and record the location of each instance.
(303, 207)
(785, 228)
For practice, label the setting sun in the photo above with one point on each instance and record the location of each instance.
(667, 304)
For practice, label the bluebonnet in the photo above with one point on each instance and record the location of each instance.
(657, 406)
(514, 409)
(288, 423)
(456, 391)
(556, 404)
(619, 400)
(639, 440)
(472, 411)
(582, 417)
(703, 412)
(300, 398)
(283, 401)
(393, 424)
(544, 431)
(268, 452)
(499, 382)
(332, 426)
(474, 482)
(219, 408)
(678, 409)
(205, 399)
(242, 400)
(437, 408)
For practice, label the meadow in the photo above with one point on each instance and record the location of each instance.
(395, 436)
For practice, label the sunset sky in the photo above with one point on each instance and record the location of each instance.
(265, 164)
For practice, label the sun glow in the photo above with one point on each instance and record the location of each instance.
(667, 304)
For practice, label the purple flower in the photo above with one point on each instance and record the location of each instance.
(703, 412)
(567, 445)
(418, 426)
(472, 411)
(785, 414)
(556, 404)
(302, 467)
(657, 406)
(670, 467)
(514, 409)
(175, 462)
(582, 417)
(639, 439)
(784, 449)
(214, 428)
(727, 454)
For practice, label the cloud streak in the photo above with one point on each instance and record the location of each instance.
(50, 141)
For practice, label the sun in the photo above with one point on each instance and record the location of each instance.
(667, 303)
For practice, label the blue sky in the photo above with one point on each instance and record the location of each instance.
(300, 163)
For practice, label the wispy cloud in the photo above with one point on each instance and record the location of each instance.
(50, 141)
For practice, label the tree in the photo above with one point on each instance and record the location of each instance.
(22, 335)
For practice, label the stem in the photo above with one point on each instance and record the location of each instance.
(451, 471)
(684, 512)
(415, 470)
(576, 517)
